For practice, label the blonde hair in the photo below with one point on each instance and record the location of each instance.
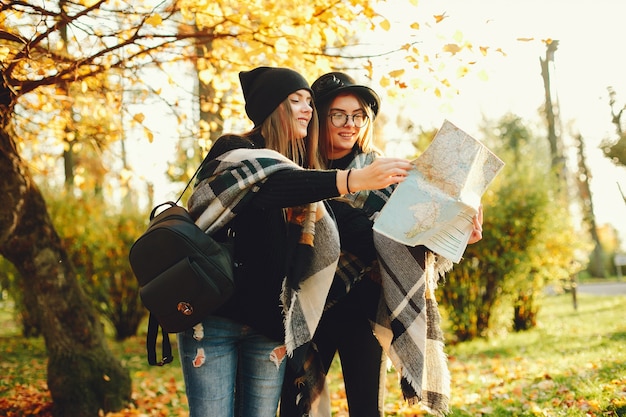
(365, 141)
(280, 131)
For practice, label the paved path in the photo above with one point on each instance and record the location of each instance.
(603, 288)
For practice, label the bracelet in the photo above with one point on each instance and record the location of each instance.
(348, 181)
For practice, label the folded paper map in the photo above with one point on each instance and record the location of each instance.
(434, 206)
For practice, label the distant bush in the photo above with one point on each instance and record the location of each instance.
(97, 237)
(529, 241)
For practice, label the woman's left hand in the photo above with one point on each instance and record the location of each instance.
(477, 232)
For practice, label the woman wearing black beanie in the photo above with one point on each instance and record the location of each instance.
(265, 188)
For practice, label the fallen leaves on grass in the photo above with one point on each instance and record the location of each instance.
(152, 398)
(27, 401)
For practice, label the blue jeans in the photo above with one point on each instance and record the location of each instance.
(230, 370)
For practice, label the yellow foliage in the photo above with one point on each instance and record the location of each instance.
(139, 117)
(4, 53)
(102, 71)
(154, 20)
(439, 17)
(205, 75)
(397, 73)
(385, 25)
(148, 134)
(453, 48)
(462, 71)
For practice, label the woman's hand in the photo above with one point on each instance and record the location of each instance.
(379, 174)
(477, 232)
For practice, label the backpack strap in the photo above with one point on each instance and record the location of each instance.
(151, 340)
(191, 179)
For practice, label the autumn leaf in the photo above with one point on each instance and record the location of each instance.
(148, 134)
(396, 73)
(439, 17)
(154, 20)
(385, 25)
(453, 48)
(462, 71)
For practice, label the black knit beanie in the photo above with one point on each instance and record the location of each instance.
(264, 88)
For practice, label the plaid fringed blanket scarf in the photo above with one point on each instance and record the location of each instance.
(226, 186)
(408, 320)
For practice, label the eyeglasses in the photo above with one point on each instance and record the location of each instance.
(341, 119)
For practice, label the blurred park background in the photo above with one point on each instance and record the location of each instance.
(108, 107)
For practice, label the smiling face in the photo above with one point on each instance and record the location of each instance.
(293, 129)
(341, 140)
(301, 104)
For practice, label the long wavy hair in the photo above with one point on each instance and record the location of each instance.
(365, 141)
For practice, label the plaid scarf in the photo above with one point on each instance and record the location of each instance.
(225, 185)
(408, 320)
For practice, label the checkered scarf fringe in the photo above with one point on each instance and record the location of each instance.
(408, 320)
(225, 185)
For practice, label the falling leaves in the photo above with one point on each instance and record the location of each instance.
(139, 117)
(452, 48)
(385, 25)
(439, 17)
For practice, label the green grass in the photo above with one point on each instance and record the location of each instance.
(572, 364)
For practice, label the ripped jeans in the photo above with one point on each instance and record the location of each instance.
(230, 370)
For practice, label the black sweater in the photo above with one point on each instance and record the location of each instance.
(355, 228)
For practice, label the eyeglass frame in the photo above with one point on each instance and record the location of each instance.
(347, 117)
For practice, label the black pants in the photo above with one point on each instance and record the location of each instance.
(345, 329)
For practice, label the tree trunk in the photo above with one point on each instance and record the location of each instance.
(83, 375)
(525, 311)
(555, 149)
(597, 266)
